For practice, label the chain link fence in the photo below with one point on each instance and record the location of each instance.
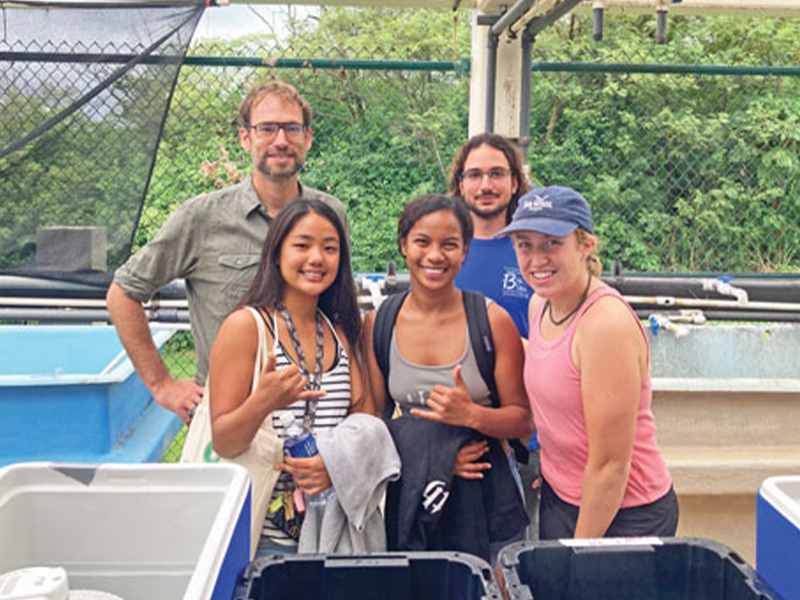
(687, 172)
(380, 137)
(690, 166)
(688, 152)
(83, 94)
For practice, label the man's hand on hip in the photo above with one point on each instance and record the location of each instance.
(181, 396)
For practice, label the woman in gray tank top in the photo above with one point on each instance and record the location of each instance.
(433, 371)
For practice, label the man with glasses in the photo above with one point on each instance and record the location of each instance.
(487, 174)
(214, 242)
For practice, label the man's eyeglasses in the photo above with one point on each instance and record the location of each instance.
(494, 174)
(269, 130)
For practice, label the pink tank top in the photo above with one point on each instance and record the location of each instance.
(553, 384)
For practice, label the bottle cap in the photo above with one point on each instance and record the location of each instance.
(286, 419)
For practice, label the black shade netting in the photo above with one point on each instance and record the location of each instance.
(84, 93)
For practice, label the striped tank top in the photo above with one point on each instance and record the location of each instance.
(332, 409)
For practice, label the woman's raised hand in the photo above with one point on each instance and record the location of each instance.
(451, 405)
(283, 386)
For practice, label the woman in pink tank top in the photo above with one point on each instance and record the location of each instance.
(587, 375)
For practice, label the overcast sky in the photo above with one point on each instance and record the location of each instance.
(245, 19)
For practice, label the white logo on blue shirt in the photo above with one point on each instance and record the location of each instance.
(513, 283)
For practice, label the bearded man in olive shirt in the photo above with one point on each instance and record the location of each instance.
(214, 242)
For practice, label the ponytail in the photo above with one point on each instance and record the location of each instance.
(595, 266)
(592, 262)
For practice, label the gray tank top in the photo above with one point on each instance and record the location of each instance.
(410, 384)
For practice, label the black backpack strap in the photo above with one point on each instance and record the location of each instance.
(480, 336)
(385, 318)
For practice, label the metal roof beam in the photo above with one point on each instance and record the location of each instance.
(511, 16)
(541, 12)
(707, 8)
(533, 24)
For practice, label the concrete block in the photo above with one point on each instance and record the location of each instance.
(72, 248)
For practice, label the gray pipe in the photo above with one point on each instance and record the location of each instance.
(40, 287)
(525, 96)
(85, 315)
(758, 288)
(14, 285)
(661, 26)
(55, 315)
(511, 16)
(597, 24)
(491, 80)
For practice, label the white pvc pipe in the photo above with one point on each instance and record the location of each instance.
(725, 289)
(176, 326)
(666, 323)
(703, 303)
(82, 302)
(537, 9)
(181, 304)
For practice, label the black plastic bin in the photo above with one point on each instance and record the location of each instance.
(389, 576)
(648, 569)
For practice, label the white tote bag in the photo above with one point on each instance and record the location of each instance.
(265, 451)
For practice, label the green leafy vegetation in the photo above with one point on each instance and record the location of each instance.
(686, 171)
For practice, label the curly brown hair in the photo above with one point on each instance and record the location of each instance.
(509, 150)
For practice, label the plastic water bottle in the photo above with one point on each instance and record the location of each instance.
(300, 443)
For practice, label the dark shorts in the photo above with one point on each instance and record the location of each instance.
(557, 519)
(530, 473)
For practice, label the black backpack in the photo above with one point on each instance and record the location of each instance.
(480, 337)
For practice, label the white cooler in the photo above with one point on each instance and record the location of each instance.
(138, 531)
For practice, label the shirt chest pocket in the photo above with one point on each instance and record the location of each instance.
(237, 272)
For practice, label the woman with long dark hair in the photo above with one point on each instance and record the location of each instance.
(305, 293)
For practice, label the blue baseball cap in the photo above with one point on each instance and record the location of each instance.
(553, 210)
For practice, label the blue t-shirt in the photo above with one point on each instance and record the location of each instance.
(491, 268)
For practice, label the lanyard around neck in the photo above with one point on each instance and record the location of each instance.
(315, 381)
